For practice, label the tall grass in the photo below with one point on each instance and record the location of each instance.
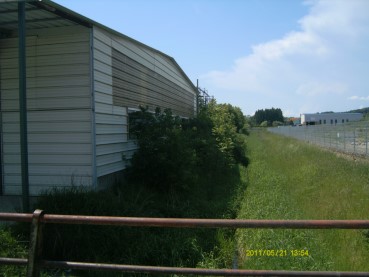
(289, 179)
(10, 247)
(137, 245)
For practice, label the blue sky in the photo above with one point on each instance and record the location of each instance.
(300, 56)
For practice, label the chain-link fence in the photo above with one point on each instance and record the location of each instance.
(351, 138)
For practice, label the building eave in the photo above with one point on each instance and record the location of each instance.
(76, 18)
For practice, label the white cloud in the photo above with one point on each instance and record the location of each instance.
(324, 58)
(293, 43)
(362, 98)
(336, 18)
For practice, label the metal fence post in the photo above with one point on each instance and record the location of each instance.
(337, 136)
(366, 139)
(35, 247)
(344, 137)
(354, 140)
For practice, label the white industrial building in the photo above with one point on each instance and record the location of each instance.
(82, 80)
(329, 118)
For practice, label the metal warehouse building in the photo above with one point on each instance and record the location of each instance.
(329, 118)
(82, 80)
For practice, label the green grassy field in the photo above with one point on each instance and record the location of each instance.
(289, 179)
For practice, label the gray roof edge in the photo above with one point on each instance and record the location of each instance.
(329, 113)
(92, 22)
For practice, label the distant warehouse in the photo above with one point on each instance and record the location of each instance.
(82, 81)
(329, 118)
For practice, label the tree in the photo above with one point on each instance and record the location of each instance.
(269, 115)
(227, 121)
(173, 152)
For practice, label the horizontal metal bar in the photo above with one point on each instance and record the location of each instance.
(184, 223)
(16, 11)
(17, 217)
(176, 270)
(207, 223)
(190, 223)
(196, 271)
(42, 20)
(13, 261)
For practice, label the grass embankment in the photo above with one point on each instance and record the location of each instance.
(288, 179)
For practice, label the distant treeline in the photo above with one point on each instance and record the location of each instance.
(363, 111)
(268, 115)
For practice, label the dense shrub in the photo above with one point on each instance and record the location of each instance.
(227, 123)
(173, 152)
(165, 159)
(183, 168)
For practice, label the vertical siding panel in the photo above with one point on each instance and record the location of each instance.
(111, 121)
(59, 110)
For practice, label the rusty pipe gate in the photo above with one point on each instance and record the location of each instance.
(35, 262)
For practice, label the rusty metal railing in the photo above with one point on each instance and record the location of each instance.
(35, 262)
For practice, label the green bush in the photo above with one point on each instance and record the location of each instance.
(173, 153)
(165, 158)
(184, 168)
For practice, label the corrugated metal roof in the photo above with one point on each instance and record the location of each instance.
(45, 14)
(37, 17)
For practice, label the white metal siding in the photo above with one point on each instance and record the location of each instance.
(153, 79)
(331, 118)
(111, 121)
(59, 109)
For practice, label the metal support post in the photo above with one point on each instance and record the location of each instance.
(366, 139)
(23, 103)
(337, 136)
(354, 140)
(35, 247)
(344, 136)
